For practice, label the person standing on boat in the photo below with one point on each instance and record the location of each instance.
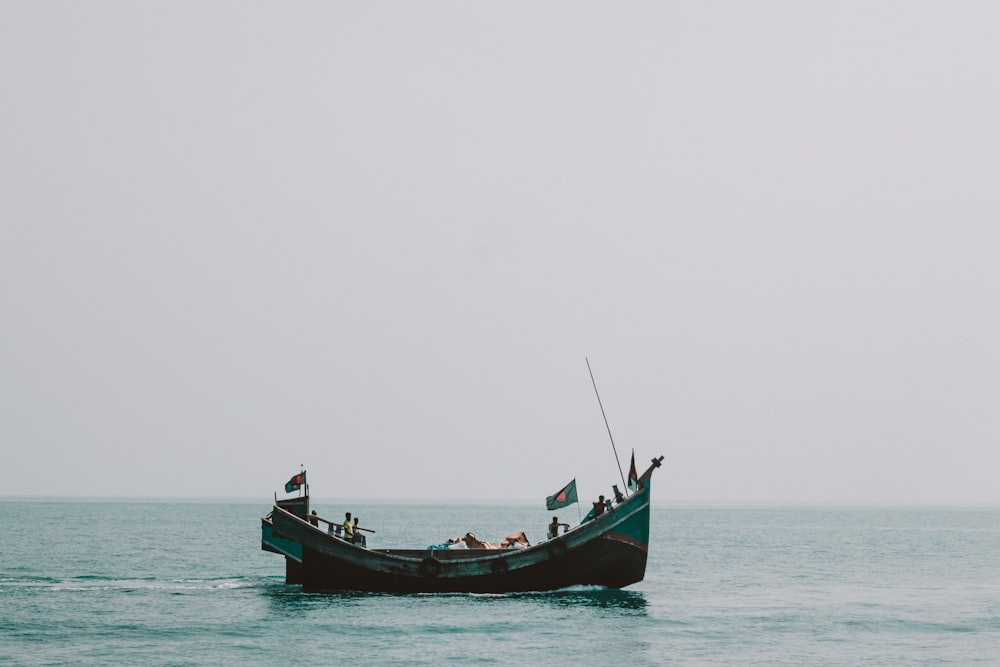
(348, 528)
(554, 527)
(599, 507)
(358, 537)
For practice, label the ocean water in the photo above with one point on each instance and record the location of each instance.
(169, 583)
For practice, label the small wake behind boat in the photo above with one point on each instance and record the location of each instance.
(609, 550)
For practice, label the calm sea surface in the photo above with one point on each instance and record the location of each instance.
(161, 583)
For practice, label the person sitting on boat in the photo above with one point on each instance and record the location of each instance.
(516, 540)
(474, 542)
(349, 529)
(554, 528)
(314, 519)
(599, 507)
(358, 537)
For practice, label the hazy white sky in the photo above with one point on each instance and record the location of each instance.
(380, 239)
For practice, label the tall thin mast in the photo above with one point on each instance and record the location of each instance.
(613, 448)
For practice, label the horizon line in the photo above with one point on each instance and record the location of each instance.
(678, 502)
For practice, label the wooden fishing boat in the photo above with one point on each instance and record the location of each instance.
(608, 551)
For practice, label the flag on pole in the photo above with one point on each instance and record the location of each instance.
(295, 483)
(565, 496)
(633, 476)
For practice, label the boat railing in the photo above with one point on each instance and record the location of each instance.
(332, 528)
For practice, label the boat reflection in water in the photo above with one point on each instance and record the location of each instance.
(600, 598)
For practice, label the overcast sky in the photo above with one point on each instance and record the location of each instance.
(380, 239)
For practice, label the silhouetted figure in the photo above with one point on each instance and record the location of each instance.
(599, 507)
(554, 527)
(358, 537)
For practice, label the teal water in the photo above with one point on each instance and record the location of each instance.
(161, 583)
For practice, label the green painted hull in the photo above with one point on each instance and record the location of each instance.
(609, 551)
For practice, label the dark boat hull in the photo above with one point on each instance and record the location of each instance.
(610, 551)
